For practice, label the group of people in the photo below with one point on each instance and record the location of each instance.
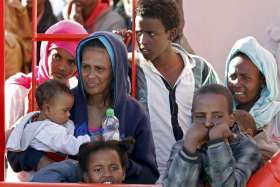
(183, 129)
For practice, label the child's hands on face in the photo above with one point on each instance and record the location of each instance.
(221, 130)
(195, 137)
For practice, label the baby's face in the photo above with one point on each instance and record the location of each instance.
(58, 109)
(210, 110)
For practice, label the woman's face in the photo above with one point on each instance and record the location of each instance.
(104, 166)
(61, 65)
(96, 71)
(244, 80)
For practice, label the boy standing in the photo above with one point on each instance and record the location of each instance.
(213, 150)
(170, 75)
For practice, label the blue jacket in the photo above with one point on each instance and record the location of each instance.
(133, 119)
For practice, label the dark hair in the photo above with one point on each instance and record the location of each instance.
(48, 90)
(121, 147)
(92, 43)
(215, 89)
(165, 10)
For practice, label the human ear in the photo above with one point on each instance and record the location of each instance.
(172, 34)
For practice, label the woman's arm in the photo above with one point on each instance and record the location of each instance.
(142, 167)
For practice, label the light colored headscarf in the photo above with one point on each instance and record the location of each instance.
(266, 107)
(42, 71)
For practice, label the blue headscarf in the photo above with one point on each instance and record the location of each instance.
(266, 107)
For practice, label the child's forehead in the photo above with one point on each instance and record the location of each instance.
(210, 102)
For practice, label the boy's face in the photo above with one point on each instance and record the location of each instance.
(151, 37)
(211, 110)
(58, 109)
(104, 166)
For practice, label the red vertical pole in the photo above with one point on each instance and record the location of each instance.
(133, 63)
(34, 49)
(2, 95)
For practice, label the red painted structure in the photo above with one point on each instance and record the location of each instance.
(2, 81)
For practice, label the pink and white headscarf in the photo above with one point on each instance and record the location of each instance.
(42, 71)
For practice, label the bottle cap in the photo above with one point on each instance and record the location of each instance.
(110, 112)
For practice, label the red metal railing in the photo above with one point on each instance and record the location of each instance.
(3, 184)
(2, 81)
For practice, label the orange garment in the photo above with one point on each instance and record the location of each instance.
(268, 175)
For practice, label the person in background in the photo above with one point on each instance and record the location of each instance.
(251, 76)
(19, 33)
(94, 15)
(13, 63)
(45, 18)
(214, 151)
(181, 38)
(272, 43)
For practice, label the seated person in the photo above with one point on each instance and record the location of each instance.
(213, 151)
(251, 76)
(49, 129)
(98, 162)
(94, 15)
(102, 83)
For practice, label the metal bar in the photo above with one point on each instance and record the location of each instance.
(59, 37)
(133, 63)
(26, 184)
(34, 51)
(2, 98)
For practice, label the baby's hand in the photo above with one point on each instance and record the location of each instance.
(245, 122)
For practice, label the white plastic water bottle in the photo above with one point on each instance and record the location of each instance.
(111, 126)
